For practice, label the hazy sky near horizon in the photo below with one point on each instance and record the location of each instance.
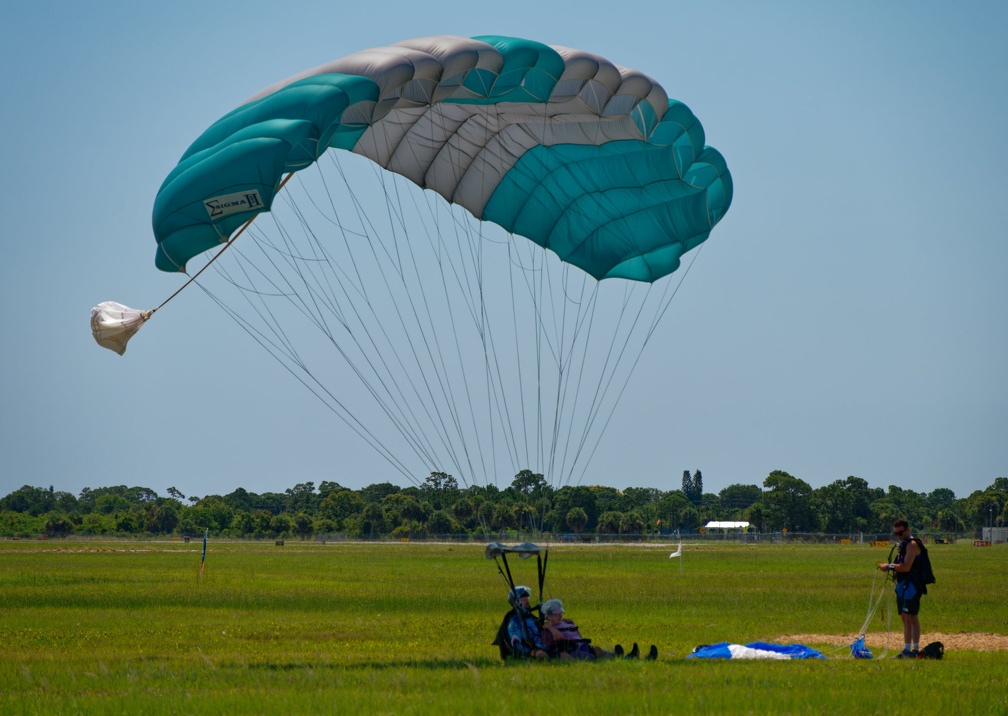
(849, 316)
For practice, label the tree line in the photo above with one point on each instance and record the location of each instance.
(438, 506)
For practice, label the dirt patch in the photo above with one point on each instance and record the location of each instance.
(963, 641)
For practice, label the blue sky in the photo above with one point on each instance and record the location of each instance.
(848, 317)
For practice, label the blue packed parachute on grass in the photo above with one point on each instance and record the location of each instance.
(755, 650)
(858, 649)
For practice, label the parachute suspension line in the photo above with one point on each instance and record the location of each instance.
(586, 313)
(483, 323)
(425, 328)
(662, 307)
(393, 407)
(442, 258)
(317, 318)
(474, 289)
(447, 390)
(224, 248)
(312, 383)
(562, 377)
(518, 361)
(286, 349)
(874, 602)
(448, 393)
(615, 354)
(368, 384)
(666, 303)
(450, 400)
(427, 406)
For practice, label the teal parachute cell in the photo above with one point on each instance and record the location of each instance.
(587, 159)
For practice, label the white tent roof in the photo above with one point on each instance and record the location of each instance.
(714, 525)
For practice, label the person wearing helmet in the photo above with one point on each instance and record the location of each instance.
(523, 630)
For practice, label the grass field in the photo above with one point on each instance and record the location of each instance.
(127, 627)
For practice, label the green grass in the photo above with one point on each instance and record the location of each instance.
(117, 627)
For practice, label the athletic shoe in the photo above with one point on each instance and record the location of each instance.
(907, 654)
(653, 654)
(634, 653)
(618, 650)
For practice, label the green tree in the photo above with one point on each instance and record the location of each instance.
(788, 503)
(280, 525)
(528, 483)
(632, 523)
(243, 524)
(403, 508)
(58, 525)
(303, 525)
(440, 489)
(372, 521)
(95, 523)
(504, 517)
(940, 499)
(697, 497)
(671, 508)
(110, 504)
(161, 518)
(327, 487)
(692, 487)
(576, 519)
(441, 523)
(340, 505)
(36, 501)
(897, 503)
(569, 497)
(740, 497)
(640, 498)
(464, 512)
(301, 497)
(260, 522)
(609, 522)
(242, 499)
(843, 506)
(756, 516)
(377, 492)
(607, 498)
(983, 508)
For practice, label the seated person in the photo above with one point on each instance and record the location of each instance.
(561, 636)
(563, 639)
(523, 633)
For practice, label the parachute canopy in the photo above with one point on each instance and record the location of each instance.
(588, 159)
(468, 351)
(755, 650)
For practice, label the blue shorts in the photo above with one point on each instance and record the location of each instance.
(907, 598)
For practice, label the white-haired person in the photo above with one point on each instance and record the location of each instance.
(563, 639)
(524, 634)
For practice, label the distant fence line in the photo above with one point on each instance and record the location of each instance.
(664, 539)
(878, 539)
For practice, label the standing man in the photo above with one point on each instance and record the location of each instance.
(909, 586)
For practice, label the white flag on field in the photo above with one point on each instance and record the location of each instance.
(113, 324)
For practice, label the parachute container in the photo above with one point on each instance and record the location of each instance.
(113, 324)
